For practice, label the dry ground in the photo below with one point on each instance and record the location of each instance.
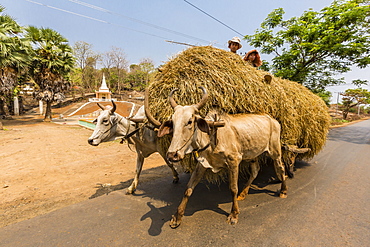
(46, 166)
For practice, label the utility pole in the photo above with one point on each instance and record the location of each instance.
(16, 106)
(336, 108)
(358, 109)
(41, 107)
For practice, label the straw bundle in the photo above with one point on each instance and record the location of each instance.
(236, 87)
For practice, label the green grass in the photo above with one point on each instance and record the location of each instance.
(339, 121)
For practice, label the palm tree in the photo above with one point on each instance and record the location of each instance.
(14, 58)
(51, 65)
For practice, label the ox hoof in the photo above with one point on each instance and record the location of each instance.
(283, 195)
(232, 220)
(130, 191)
(175, 180)
(175, 222)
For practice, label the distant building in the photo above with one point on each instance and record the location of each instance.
(104, 97)
(103, 94)
(28, 89)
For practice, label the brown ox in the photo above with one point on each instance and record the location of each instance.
(243, 137)
(110, 125)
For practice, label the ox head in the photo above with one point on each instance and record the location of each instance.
(106, 126)
(183, 124)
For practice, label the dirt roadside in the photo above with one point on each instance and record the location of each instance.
(47, 166)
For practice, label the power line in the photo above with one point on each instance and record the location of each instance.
(136, 20)
(213, 18)
(70, 12)
(179, 43)
(94, 19)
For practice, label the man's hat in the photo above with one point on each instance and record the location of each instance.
(235, 40)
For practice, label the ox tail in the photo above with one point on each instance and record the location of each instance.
(288, 170)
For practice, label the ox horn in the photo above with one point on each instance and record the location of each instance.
(114, 107)
(295, 149)
(101, 107)
(148, 114)
(171, 99)
(203, 101)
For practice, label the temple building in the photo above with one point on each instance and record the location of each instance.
(103, 94)
(90, 110)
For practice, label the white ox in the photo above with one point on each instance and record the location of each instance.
(243, 137)
(110, 125)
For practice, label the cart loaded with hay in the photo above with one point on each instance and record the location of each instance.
(235, 87)
(249, 111)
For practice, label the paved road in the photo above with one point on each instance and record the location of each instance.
(327, 205)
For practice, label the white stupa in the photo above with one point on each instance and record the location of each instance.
(103, 94)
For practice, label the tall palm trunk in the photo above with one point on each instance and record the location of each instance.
(48, 116)
(5, 109)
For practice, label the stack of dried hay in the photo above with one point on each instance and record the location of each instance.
(236, 87)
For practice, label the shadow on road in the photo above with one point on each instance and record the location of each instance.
(146, 175)
(206, 196)
(301, 164)
(103, 189)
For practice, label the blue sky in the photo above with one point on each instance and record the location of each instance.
(141, 27)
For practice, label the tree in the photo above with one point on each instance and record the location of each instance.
(82, 51)
(91, 76)
(140, 74)
(147, 67)
(115, 64)
(313, 48)
(354, 97)
(14, 58)
(135, 78)
(325, 96)
(51, 64)
(85, 75)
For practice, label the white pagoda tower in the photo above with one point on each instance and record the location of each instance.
(103, 94)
